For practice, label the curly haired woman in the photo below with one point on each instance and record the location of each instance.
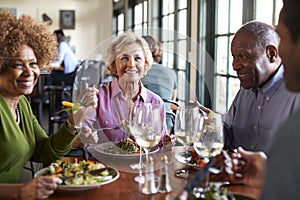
(25, 47)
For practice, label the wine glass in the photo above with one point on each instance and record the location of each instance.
(187, 126)
(141, 127)
(211, 142)
(129, 93)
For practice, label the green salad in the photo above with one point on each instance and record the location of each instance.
(127, 146)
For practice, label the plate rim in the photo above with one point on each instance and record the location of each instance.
(187, 164)
(80, 187)
(120, 155)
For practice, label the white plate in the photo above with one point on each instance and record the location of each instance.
(181, 157)
(102, 148)
(113, 172)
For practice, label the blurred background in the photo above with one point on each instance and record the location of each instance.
(187, 29)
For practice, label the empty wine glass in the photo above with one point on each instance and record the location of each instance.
(211, 142)
(187, 126)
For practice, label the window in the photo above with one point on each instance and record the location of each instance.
(120, 27)
(174, 37)
(228, 20)
(130, 15)
(218, 20)
(268, 11)
(140, 16)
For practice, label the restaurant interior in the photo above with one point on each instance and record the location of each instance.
(196, 37)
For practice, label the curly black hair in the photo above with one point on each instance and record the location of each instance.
(16, 32)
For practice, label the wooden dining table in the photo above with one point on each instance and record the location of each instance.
(126, 188)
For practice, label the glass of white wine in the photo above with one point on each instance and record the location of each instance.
(211, 142)
(187, 127)
(141, 123)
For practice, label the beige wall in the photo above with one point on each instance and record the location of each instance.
(93, 19)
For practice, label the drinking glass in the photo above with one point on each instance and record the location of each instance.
(141, 120)
(129, 89)
(187, 126)
(211, 142)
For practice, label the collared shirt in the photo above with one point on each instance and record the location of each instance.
(112, 109)
(67, 56)
(255, 114)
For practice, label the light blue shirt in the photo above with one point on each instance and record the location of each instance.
(67, 56)
(256, 114)
(162, 81)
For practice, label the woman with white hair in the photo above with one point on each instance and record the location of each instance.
(128, 58)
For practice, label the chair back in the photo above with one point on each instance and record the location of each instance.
(170, 115)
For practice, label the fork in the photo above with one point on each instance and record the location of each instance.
(108, 128)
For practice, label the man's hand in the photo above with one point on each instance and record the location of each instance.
(200, 106)
(249, 167)
(223, 162)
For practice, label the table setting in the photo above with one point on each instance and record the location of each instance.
(140, 167)
(80, 175)
(124, 187)
(161, 165)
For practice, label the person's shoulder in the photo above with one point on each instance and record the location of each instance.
(287, 93)
(245, 93)
(24, 103)
(110, 85)
(24, 100)
(172, 72)
(158, 67)
(63, 43)
(242, 96)
(151, 96)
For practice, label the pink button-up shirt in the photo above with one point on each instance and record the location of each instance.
(112, 109)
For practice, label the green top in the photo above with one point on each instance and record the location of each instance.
(27, 142)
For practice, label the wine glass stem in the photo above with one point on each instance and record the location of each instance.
(140, 170)
(186, 148)
(206, 182)
(141, 161)
(147, 155)
(206, 186)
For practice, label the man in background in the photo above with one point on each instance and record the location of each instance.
(65, 64)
